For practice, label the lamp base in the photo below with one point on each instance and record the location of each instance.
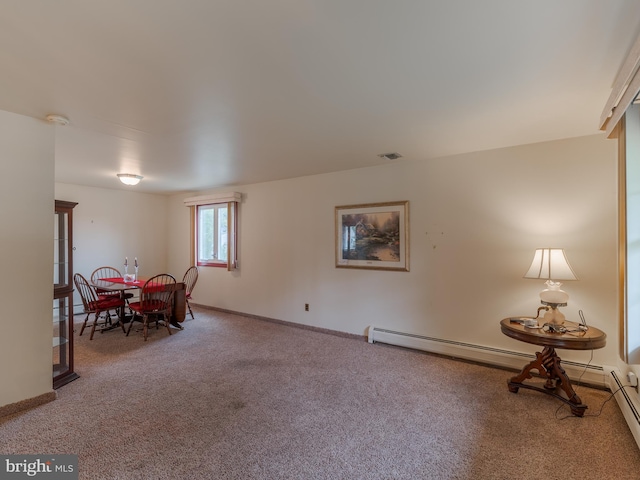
(554, 316)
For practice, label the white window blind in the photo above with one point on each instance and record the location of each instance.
(213, 198)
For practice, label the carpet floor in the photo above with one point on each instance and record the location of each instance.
(231, 397)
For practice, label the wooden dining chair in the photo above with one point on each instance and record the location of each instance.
(97, 305)
(155, 303)
(190, 278)
(109, 272)
(106, 272)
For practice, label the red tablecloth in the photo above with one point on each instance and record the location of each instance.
(135, 283)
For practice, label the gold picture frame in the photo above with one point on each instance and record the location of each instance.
(373, 236)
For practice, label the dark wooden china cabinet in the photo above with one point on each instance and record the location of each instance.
(63, 372)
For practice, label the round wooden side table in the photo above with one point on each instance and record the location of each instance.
(547, 362)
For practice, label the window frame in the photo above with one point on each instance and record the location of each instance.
(215, 262)
(231, 200)
(231, 262)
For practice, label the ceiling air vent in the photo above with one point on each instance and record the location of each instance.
(390, 156)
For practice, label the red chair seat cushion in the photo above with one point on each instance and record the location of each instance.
(106, 303)
(149, 306)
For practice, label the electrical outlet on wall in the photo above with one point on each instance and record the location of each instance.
(306, 307)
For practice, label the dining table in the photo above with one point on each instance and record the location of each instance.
(121, 285)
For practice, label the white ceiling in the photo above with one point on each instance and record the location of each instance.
(194, 94)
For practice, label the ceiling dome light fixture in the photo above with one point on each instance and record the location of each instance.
(129, 178)
(57, 119)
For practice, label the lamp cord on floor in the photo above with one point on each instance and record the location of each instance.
(580, 384)
(592, 414)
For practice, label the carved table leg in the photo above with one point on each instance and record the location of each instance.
(548, 364)
(516, 382)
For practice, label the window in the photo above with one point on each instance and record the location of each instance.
(214, 225)
(629, 233)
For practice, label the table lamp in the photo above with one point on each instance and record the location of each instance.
(552, 264)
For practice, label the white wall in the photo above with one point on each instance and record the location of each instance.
(109, 225)
(26, 256)
(475, 222)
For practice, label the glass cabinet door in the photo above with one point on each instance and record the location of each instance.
(61, 331)
(63, 294)
(61, 250)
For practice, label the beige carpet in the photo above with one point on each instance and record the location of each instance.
(232, 397)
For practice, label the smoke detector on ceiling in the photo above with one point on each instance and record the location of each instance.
(390, 156)
(57, 119)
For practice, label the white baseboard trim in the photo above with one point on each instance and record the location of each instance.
(594, 375)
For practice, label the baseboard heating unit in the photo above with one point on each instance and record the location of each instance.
(588, 373)
(628, 401)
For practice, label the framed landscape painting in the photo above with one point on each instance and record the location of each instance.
(373, 236)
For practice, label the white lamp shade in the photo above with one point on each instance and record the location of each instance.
(550, 264)
(129, 178)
